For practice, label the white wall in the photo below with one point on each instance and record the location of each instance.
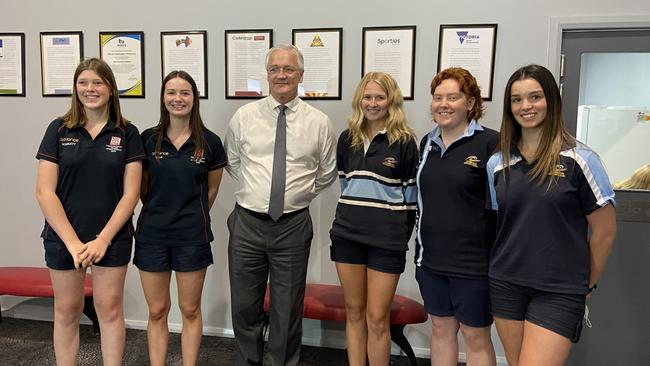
(523, 37)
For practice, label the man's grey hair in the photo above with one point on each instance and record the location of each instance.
(286, 47)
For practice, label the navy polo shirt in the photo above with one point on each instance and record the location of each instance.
(377, 204)
(542, 237)
(176, 209)
(455, 227)
(91, 174)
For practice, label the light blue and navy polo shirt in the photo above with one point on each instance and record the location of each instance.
(542, 240)
(455, 226)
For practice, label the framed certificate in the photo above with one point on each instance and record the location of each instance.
(187, 51)
(245, 57)
(61, 53)
(322, 51)
(390, 50)
(12, 64)
(124, 53)
(472, 47)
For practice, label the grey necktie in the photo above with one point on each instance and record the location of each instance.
(279, 177)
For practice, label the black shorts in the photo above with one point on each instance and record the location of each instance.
(466, 299)
(557, 312)
(382, 260)
(57, 256)
(153, 257)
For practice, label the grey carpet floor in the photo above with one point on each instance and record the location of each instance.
(29, 342)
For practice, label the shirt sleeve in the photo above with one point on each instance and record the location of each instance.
(326, 173)
(594, 187)
(411, 158)
(232, 146)
(134, 148)
(341, 158)
(409, 170)
(49, 148)
(144, 137)
(218, 158)
(491, 167)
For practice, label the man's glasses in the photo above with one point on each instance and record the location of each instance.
(288, 70)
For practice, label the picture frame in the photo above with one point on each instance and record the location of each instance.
(124, 53)
(322, 50)
(391, 50)
(61, 53)
(12, 64)
(472, 47)
(187, 51)
(245, 52)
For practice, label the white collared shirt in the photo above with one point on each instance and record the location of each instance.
(311, 153)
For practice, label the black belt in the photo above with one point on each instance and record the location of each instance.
(266, 217)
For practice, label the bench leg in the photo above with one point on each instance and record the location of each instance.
(397, 336)
(89, 310)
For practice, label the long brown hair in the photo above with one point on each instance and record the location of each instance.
(76, 115)
(397, 127)
(555, 137)
(196, 123)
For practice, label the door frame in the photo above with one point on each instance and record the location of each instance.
(558, 24)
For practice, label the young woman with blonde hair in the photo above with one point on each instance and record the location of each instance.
(376, 158)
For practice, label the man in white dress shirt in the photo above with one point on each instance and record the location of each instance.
(270, 227)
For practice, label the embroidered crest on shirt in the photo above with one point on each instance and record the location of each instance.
(472, 160)
(68, 141)
(558, 171)
(114, 144)
(198, 158)
(390, 162)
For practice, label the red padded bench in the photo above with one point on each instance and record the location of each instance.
(35, 282)
(325, 302)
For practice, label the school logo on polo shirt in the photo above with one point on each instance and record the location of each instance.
(159, 155)
(114, 144)
(68, 141)
(472, 160)
(199, 159)
(390, 162)
(558, 171)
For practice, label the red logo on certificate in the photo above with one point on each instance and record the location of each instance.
(115, 141)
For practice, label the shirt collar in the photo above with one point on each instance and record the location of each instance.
(471, 129)
(291, 105)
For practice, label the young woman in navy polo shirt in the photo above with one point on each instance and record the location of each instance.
(88, 185)
(180, 182)
(549, 191)
(376, 159)
(455, 227)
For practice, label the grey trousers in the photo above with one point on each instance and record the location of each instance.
(261, 249)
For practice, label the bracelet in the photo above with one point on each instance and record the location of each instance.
(108, 241)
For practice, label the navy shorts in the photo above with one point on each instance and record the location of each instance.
(559, 313)
(153, 257)
(378, 259)
(466, 299)
(57, 256)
